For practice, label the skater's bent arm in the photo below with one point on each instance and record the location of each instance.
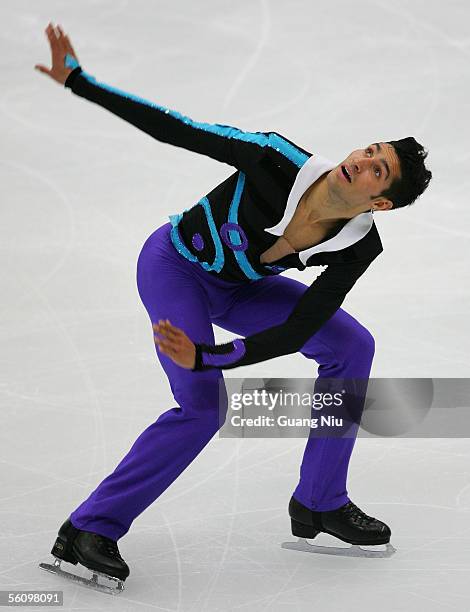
(318, 304)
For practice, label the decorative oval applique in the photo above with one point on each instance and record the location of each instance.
(239, 236)
(197, 241)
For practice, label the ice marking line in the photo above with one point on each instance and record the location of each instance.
(58, 479)
(265, 29)
(236, 486)
(69, 241)
(177, 557)
(98, 415)
(420, 23)
(299, 94)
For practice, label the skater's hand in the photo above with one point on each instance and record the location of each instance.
(175, 344)
(60, 46)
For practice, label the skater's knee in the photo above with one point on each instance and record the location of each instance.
(358, 342)
(204, 397)
(364, 340)
(351, 342)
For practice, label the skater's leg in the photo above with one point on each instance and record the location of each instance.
(342, 347)
(168, 290)
(345, 352)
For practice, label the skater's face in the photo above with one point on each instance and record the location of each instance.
(371, 171)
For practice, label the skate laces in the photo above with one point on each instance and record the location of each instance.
(356, 514)
(112, 548)
(108, 545)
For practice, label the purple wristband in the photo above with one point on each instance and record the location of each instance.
(221, 359)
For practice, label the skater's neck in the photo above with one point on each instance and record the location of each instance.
(319, 206)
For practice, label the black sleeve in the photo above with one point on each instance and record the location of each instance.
(221, 142)
(319, 302)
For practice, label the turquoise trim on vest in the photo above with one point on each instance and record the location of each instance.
(234, 236)
(219, 258)
(176, 240)
(271, 140)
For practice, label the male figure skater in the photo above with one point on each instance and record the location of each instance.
(220, 262)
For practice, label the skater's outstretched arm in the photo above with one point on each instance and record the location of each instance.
(221, 142)
(318, 304)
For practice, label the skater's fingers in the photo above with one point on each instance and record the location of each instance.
(51, 35)
(53, 43)
(56, 41)
(161, 330)
(182, 354)
(169, 333)
(58, 35)
(165, 343)
(68, 46)
(166, 324)
(165, 348)
(42, 68)
(168, 329)
(160, 346)
(61, 39)
(172, 344)
(174, 349)
(177, 331)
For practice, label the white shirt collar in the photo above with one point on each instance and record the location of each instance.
(355, 229)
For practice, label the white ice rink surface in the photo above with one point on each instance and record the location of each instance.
(82, 190)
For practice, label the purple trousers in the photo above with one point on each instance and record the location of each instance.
(172, 287)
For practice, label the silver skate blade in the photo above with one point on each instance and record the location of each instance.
(353, 550)
(91, 583)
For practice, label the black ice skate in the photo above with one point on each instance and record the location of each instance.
(348, 523)
(96, 552)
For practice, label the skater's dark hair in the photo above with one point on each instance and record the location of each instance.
(415, 176)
